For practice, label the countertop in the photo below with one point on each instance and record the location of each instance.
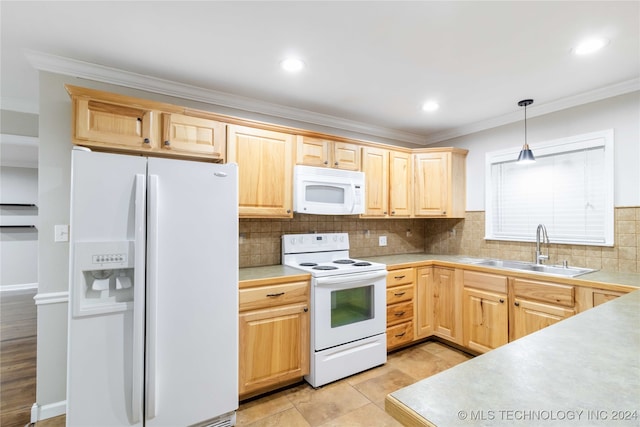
(604, 279)
(582, 371)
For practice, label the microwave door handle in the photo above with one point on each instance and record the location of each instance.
(353, 196)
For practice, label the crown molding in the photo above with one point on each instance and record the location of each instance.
(71, 67)
(75, 68)
(538, 110)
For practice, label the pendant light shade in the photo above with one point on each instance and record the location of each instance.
(526, 155)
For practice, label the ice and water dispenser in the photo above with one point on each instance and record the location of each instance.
(104, 277)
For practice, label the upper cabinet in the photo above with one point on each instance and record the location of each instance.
(187, 134)
(388, 182)
(440, 182)
(112, 122)
(320, 152)
(265, 169)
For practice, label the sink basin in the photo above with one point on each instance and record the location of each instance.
(554, 270)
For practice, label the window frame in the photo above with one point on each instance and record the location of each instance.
(604, 138)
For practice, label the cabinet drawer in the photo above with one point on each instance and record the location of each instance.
(399, 312)
(400, 277)
(544, 291)
(399, 334)
(273, 295)
(399, 294)
(485, 281)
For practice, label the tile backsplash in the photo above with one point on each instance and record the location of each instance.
(260, 239)
(467, 237)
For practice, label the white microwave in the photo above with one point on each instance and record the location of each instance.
(325, 191)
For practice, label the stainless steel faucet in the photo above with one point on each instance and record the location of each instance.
(542, 230)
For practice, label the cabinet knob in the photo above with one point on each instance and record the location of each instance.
(288, 210)
(501, 300)
(444, 212)
(326, 162)
(393, 212)
(167, 143)
(385, 212)
(517, 304)
(336, 164)
(305, 309)
(146, 141)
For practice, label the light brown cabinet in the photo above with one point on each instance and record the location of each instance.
(439, 183)
(439, 304)
(538, 304)
(400, 307)
(485, 311)
(185, 134)
(321, 152)
(273, 336)
(388, 183)
(265, 169)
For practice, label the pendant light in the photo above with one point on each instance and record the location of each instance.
(526, 155)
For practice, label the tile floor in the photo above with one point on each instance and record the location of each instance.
(354, 401)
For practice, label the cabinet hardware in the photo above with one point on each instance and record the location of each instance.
(146, 141)
(167, 143)
(305, 309)
(326, 162)
(399, 277)
(517, 304)
(399, 294)
(501, 300)
(275, 295)
(444, 212)
(385, 212)
(400, 335)
(393, 212)
(336, 164)
(288, 211)
(399, 313)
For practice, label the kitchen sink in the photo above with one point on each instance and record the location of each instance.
(554, 270)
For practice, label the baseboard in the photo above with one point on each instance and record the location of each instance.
(19, 287)
(42, 412)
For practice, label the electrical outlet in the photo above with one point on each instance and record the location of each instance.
(382, 241)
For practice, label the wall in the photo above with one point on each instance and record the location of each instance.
(18, 184)
(260, 238)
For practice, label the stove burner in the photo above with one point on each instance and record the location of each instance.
(343, 261)
(308, 264)
(325, 267)
(362, 264)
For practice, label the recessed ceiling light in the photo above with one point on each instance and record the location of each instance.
(590, 46)
(292, 65)
(430, 106)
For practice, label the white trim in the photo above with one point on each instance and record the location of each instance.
(71, 67)
(42, 412)
(20, 105)
(51, 298)
(19, 287)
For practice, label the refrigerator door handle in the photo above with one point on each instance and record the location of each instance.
(137, 364)
(152, 298)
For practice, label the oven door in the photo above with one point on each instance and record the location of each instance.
(348, 307)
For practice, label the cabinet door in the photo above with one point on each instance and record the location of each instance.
(265, 168)
(529, 316)
(193, 135)
(346, 156)
(424, 303)
(375, 165)
(431, 184)
(447, 314)
(312, 151)
(113, 125)
(274, 347)
(485, 320)
(400, 184)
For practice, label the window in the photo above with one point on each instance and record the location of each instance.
(569, 189)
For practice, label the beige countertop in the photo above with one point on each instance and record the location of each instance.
(583, 371)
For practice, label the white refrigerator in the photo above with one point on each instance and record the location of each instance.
(153, 310)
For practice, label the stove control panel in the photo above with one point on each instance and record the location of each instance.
(299, 243)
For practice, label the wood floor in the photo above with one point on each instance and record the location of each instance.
(354, 401)
(17, 357)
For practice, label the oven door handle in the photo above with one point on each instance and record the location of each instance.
(346, 279)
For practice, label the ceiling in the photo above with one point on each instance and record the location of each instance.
(369, 65)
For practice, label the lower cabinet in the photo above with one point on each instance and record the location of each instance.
(485, 311)
(274, 336)
(400, 307)
(439, 304)
(531, 316)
